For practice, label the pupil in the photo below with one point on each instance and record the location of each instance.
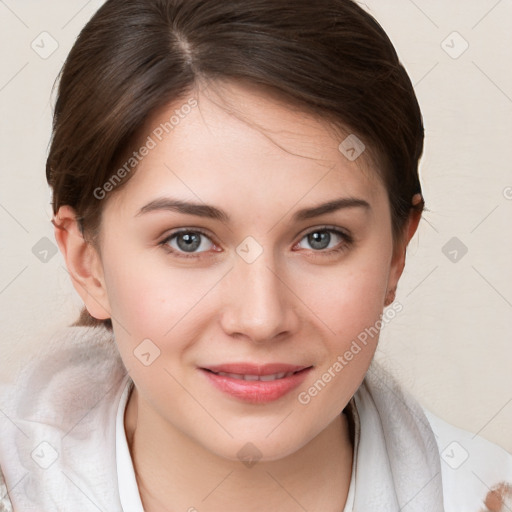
(190, 241)
(316, 239)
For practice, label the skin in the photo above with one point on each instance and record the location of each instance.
(294, 304)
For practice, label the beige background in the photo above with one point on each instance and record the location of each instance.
(452, 343)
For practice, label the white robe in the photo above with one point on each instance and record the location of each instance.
(63, 446)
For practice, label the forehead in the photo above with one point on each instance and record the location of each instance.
(235, 144)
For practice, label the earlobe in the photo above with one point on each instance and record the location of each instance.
(83, 263)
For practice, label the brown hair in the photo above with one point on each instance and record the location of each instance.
(133, 57)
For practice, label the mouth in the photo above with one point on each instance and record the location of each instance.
(263, 378)
(256, 384)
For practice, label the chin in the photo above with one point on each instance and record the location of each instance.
(268, 445)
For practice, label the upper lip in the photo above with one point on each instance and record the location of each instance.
(255, 369)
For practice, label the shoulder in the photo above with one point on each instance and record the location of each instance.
(71, 365)
(72, 370)
(474, 470)
(59, 415)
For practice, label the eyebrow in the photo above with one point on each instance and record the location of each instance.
(211, 212)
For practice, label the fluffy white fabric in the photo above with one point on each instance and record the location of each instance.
(58, 439)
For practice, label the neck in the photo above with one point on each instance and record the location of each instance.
(174, 473)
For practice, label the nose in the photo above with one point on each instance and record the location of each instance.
(259, 304)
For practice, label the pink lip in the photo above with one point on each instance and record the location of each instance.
(255, 391)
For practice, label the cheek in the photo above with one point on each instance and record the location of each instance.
(350, 296)
(350, 305)
(148, 297)
(135, 295)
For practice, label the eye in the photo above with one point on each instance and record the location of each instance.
(327, 240)
(190, 243)
(186, 242)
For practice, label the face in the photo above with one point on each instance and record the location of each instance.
(236, 317)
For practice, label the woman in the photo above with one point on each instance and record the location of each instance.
(234, 187)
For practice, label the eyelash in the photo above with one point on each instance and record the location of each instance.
(343, 246)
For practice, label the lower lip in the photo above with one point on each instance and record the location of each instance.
(257, 391)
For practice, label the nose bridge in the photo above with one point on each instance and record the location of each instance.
(259, 305)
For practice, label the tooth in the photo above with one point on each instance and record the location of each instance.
(264, 378)
(232, 375)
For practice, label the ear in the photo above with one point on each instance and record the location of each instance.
(83, 263)
(398, 261)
